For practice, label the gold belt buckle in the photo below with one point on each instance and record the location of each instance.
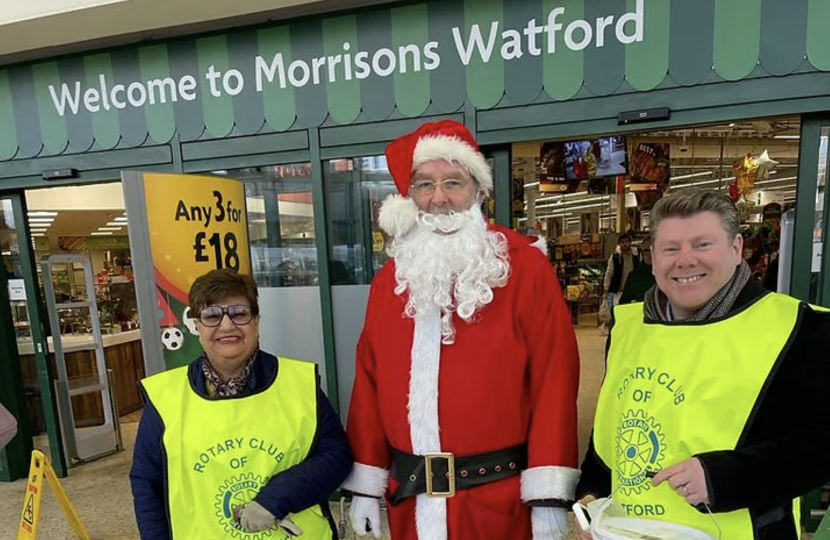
(450, 474)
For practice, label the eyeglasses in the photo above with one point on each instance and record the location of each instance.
(427, 187)
(212, 316)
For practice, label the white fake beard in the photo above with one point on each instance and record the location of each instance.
(451, 262)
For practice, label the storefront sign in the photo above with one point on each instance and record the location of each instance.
(480, 42)
(191, 225)
(431, 58)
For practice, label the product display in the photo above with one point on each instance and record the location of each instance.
(580, 267)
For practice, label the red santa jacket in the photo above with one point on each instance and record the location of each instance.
(511, 377)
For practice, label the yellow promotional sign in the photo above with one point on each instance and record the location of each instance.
(195, 224)
(41, 468)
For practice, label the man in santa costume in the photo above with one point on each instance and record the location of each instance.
(463, 414)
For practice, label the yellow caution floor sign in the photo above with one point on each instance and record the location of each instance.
(39, 469)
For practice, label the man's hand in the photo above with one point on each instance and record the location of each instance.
(688, 479)
(256, 518)
(365, 516)
(585, 501)
(549, 523)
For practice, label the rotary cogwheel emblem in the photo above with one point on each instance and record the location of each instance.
(239, 491)
(640, 448)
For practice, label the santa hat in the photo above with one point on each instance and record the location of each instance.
(448, 140)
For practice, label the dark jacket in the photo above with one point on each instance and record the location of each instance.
(639, 281)
(784, 450)
(616, 270)
(311, 482)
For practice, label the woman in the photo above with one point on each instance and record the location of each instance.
(239, 441)
(8, 426)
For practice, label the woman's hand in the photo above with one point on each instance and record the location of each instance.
(256, 518)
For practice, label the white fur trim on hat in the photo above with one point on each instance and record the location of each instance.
(397, 215)
(549, 482)
(450, 148)
(367, 480)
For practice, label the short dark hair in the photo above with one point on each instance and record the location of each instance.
(218, 285)
(693, 201)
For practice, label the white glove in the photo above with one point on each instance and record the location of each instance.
(549, 523)
(365, 511)
(289, 527)
(256, 518)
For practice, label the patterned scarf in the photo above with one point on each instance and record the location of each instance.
(216, 387)
(656, 302)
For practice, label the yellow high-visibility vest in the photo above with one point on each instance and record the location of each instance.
(220, 453)
(675, 390)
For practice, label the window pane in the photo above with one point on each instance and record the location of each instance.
(280, 224)
(355, 189)
(821, 193)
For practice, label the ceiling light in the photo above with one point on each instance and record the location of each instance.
(121, 218)
(787, 137)
(42, 214)
(99, 233)
(110, 228)
(41, 220)
(532, 184)
(118, 224)
(37, 230)
(38, 235)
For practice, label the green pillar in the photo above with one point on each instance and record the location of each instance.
(503, 184)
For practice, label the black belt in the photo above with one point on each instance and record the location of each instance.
(440, 474)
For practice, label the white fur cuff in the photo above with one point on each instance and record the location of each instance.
(367, 480)
(549, 483)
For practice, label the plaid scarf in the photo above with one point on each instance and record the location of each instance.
(656, 302)
(216, 387)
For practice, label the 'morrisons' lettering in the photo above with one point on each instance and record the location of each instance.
(346, 65)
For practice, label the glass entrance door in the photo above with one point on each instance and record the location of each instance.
(37, 417)
(20, 390)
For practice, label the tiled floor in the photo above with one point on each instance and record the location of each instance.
(100, 491)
